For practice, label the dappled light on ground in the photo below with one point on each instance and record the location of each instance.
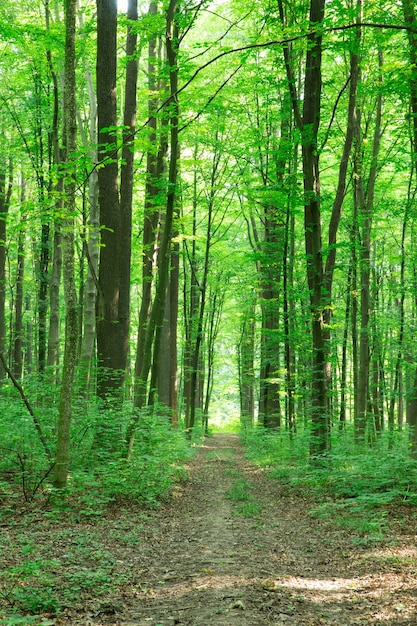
(230, 547)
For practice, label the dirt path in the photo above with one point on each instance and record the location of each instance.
(234, 548)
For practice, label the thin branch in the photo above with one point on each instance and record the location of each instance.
(255, 46)
(336, 104)
(210, 100)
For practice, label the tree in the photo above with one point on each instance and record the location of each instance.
(111, 347)
(6, 186)
(410, 19)
(71, 317)
(152, 343)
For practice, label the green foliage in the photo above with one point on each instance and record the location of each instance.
(348, 489)
(240, 491)
(245, 503)
(157, 463)
(96, 479)
(30, 587)
(43, 585)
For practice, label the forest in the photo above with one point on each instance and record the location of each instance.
(208, 214)
(206, 208)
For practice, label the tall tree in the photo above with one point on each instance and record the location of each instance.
(152, 343)
(365, 206)
(6, 186)
(110, 345)
(410, 19)
(71, 306)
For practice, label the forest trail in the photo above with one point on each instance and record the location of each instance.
(233, 547)
(229, 547)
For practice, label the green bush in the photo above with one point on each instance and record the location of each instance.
(355, 483)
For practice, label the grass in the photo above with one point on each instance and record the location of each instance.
(355, 489)
(245, 503)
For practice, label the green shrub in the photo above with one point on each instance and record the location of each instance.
(354, 485)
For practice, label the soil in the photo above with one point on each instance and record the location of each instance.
(235, 547)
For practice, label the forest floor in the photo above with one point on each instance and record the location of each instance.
(229, 547)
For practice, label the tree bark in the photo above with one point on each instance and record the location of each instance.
(154, 325)
(126, 179)
(246, 362)
(54, 302)
(70, 292)
(110, 345)
(154, 189)
(410, 20)
(6, 186)
(320, 440)
(92, 234)
(18, 332)
(365, 204)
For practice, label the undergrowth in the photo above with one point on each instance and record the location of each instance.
(57, 548)
(354, 487)
(98, 476)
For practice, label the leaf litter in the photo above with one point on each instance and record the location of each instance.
(229, 547)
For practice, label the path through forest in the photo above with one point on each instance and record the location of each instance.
(234, 547)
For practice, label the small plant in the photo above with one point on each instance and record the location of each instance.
(239, 491)
(30, 587)
(245, 503)
(249, 509)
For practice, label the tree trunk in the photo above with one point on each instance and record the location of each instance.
(70, 292)
(410, 20)
(246, 361)
(173, 323)
(126, 179)
(365, 204)
(343, 374)
(18, 332)
(154, 325)
(320, 440)
(92, 238)
(6, 186)
(154, 188)
(214, 316)
(54, 308)
(110, 345)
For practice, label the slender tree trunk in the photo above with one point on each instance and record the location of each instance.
(70, 292)
(320, 440)
(173, 324)
(375, 378)
(18, 332)
(91, 241)
(126, 178)
(191, 301)
(54, 302)
(246, 361)
(343, 374)
(288, 311)
(44, 259)
(154, 188)
(156, 317)
(271, 271)
(167, 364)
(6, 186)
(410, 19)
(365, 203)
(199, 294)
(216, 300)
